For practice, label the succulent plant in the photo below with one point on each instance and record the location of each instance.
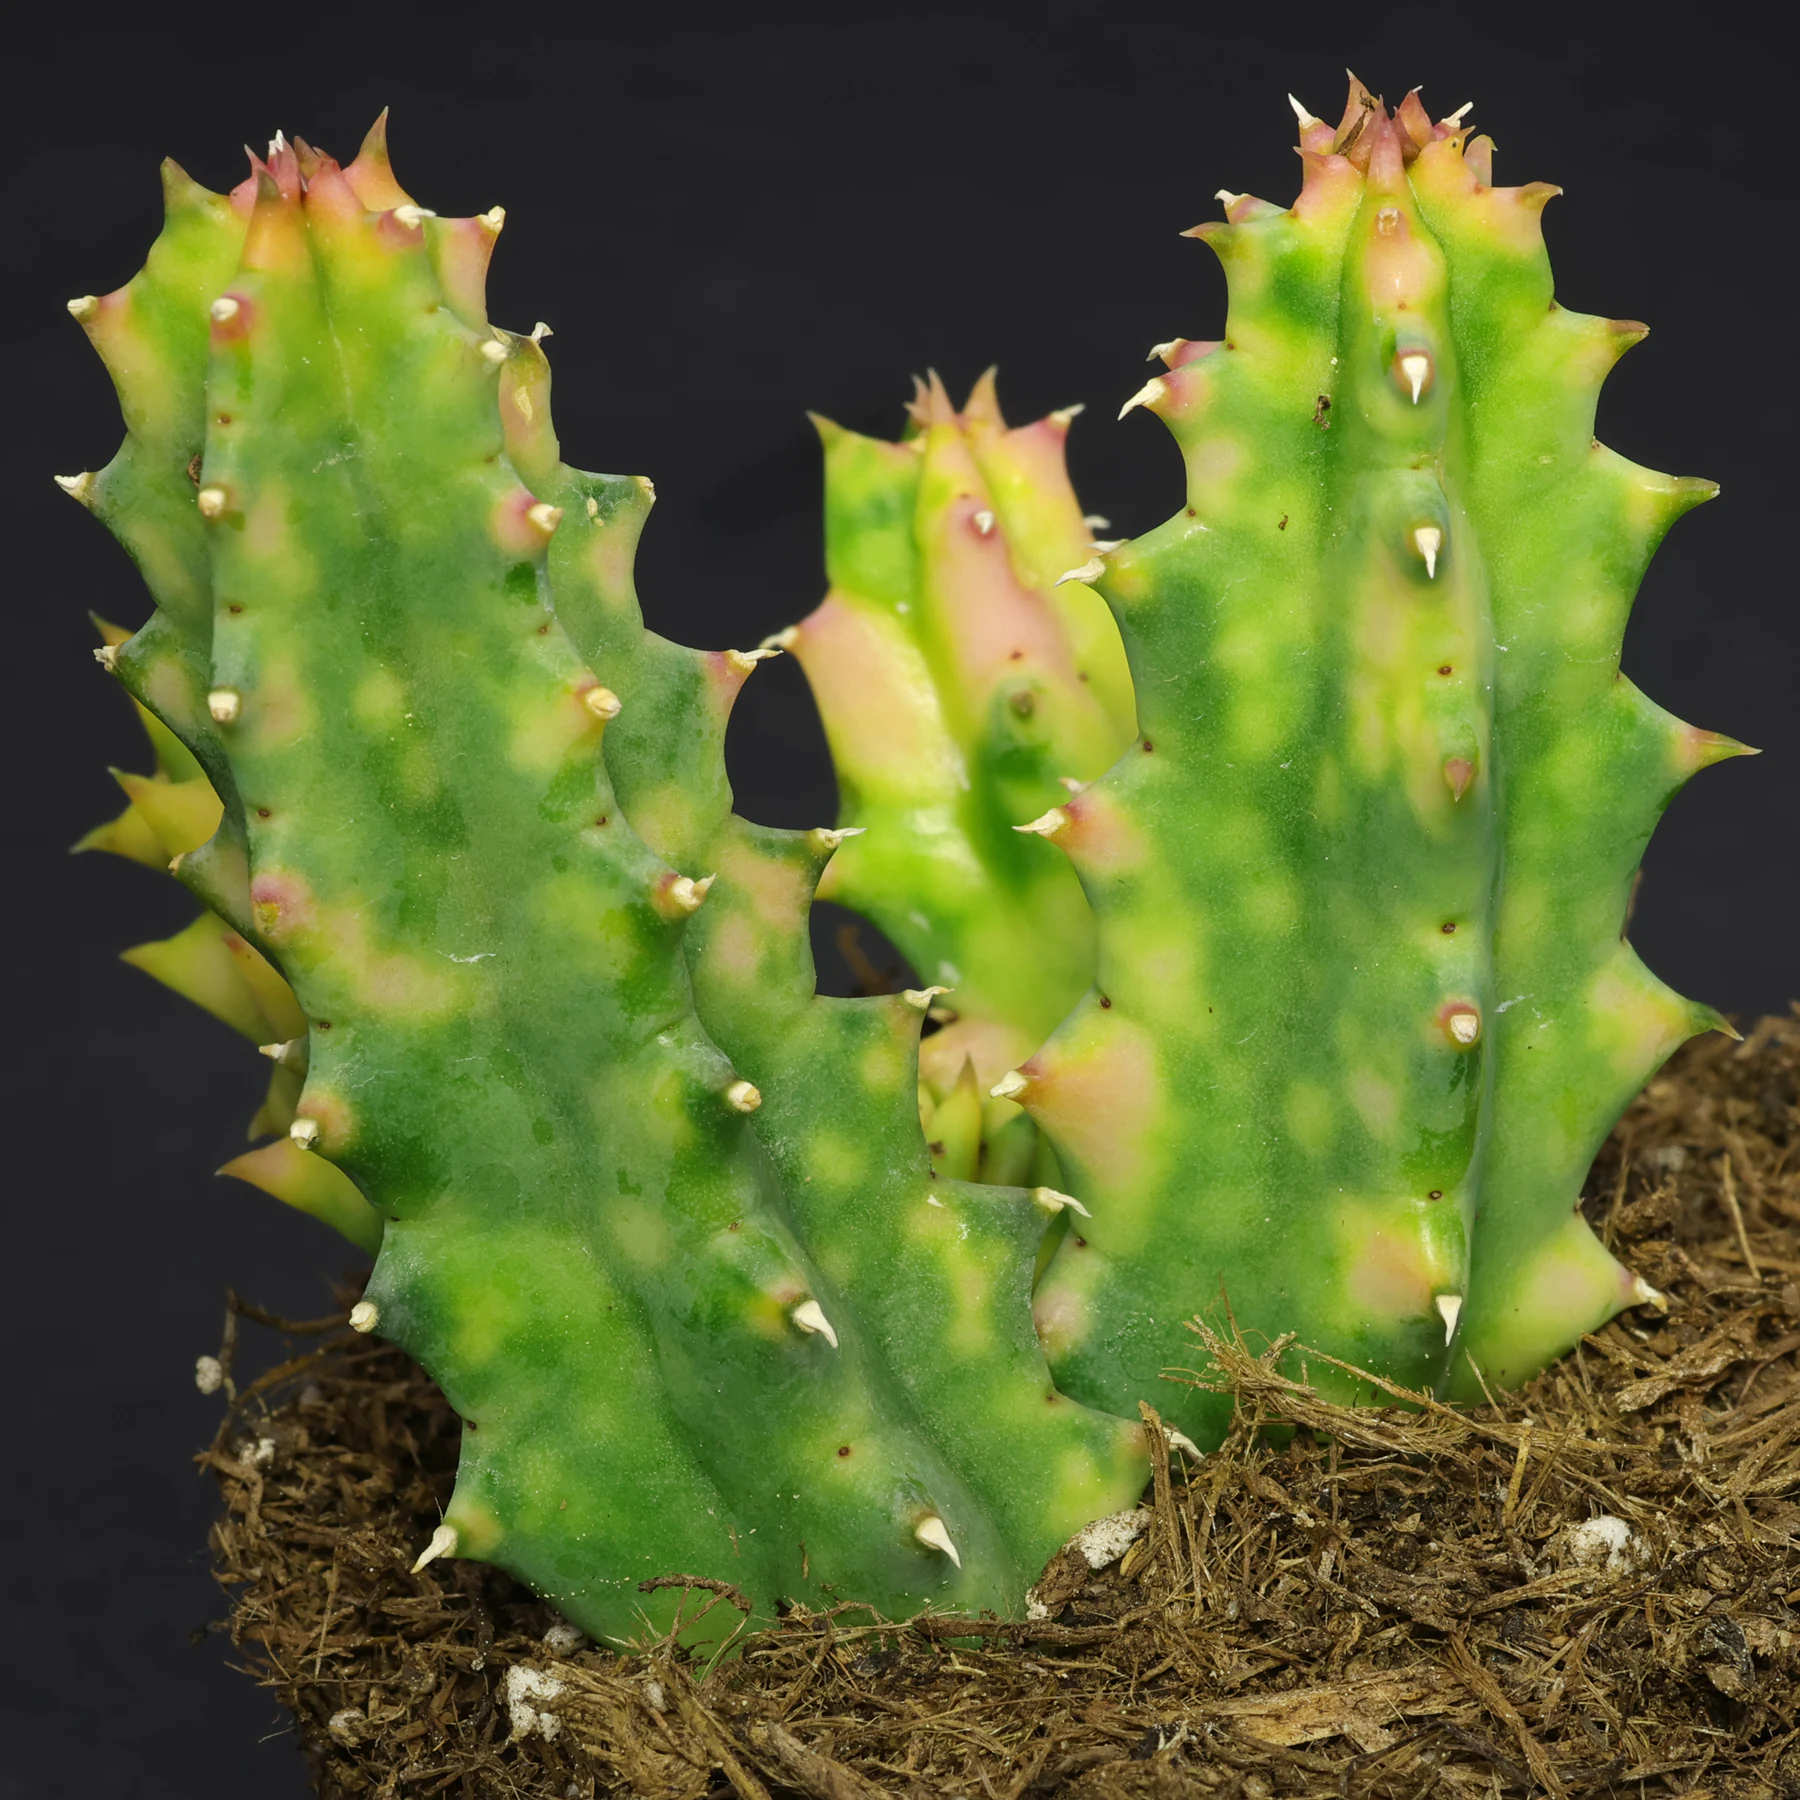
(962, 690)
(620, 1251)
(1364, 1010)
(1337, 999)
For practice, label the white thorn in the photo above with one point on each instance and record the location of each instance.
(291, 1055)
(84, 306)
(1179, 1440)
(1095, 522)
(1074, 786)
(1046, 824)
(540, 331)
(745, 661)
(1465, 1026)
(1106, 546)
(1449, 1308)
(224, 704)
(443, 1543)
(106, 656)
(304, 1132)
(1066, 415)
(1052, 1202)
(593, 507)
(175, 863)
(495, 351)
(809, 1315)
(494, 217)
(1152, 391)
(1229, 197)
(365, 1315)
(1643, 1294)
(602, 702)
(412, 217)
(1162, 352)
(923, 997)
(1009, 1084)
(686, 894)
(934, 1534)
(223, 310)
(209, 1374)
(278, 144)
(1428, 540)
(784, 639)
(545, 516)
(743, 1096)
(211, 501)
(1456, 118)
(933, 1200)
(77, 487)
(1091, 570)
(828, 837)
(1306, 119)
(646, 484)
(1416, 367)
(984, 522)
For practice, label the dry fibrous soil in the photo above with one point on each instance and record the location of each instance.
(1587, 1588)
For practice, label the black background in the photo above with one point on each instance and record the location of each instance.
(730, 217)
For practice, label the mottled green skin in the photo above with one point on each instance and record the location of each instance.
(585, 1242)
(152, 335)
(960, 686)
(1323, 848)
(936, 1273)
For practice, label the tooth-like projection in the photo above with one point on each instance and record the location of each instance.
(1416, 367)
(934, 1534)
(77, 487)
(106, 655)
(743, 1097)
(412, 217)
(810, 1317)
(983, 522)
(224, 704)
(1009, 1086)
(305, 1133)
(223, 310)
(829, 837)
(1428, 540)
(1449, 1309)
(290, 1054)
(1152, 390)
(922, 997)
(212, 502)
(1464, 1025)
(745, 661)
(83, 307)
(1045, 824)
(493, 218)
(1091, 570)
(602, 702)
(443, 1543)
(1049, 1199)
(544, 516)
(495, 351)
(365, 1315)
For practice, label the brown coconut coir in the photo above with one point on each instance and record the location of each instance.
(1585, 1588)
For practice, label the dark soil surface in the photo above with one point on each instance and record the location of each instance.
(1403, 1601)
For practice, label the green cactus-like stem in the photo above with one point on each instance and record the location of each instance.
(964, 684)
(1362, 1011)
(938, 1272)
(581, 1232)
